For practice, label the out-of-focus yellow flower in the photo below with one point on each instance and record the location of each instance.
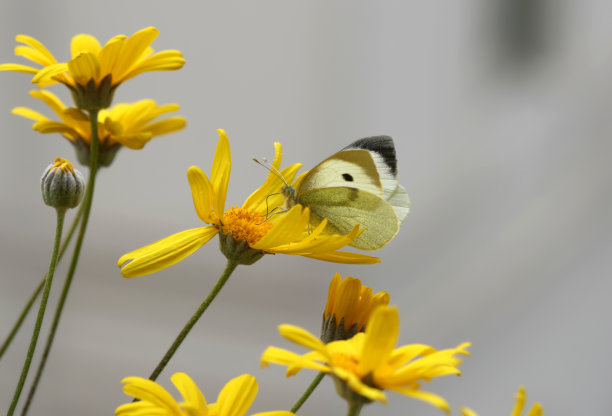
(234, 399)
(521, 397)
(126, 124)
(94, 71)
(245, 232)
(348, 308)
(367, 364)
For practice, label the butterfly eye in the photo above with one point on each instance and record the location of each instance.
(347, 177)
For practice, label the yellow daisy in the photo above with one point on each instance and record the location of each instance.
(521, 397)
(348, 308)
(367, 364)
(126, 124)
(121, 58)
(95, 69)
(234, 399)
(244, 231)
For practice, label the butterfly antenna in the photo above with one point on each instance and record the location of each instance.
(272, 169)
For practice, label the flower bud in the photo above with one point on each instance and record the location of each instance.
(62, 185)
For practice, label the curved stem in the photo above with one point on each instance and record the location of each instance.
(308, 392)
(41, 310)
(354, 409)
(39, 288)
(229, 268)
(87, 200)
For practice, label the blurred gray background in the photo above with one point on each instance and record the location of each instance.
(501, 113)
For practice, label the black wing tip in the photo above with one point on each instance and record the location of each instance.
(383, 145)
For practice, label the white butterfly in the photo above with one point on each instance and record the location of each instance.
(357, 185)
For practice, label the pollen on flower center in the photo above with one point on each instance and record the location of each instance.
(245, 225)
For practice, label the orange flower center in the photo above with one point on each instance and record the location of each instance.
(244, 224)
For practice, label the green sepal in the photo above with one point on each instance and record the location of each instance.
(92, 97)
(238, 251)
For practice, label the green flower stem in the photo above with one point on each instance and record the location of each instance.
(308, 392)
(39, 288)
(354, 409)
(87, 200)
(41, 310)
(229, 268)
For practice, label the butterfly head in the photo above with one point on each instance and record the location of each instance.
(289, 194)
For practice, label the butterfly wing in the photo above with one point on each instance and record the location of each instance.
(346, 207)
(400, 202)
(353, 168)
(382, 154)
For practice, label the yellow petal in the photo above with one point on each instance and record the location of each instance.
(536, 410)
(280, 356)
(381, 335)
(47, 57)
(33, 55)
(466, 411)
(47, 127)
(275, 413)
(110, 55)
(288, 228)
(201, 191)
(344, 257)
(47, 73)
(521, 397)
(302, 337)
(358, 386)
(84, 67)
(150, 391)
(134, 141)
(51, 100)
(165, 252)
(237, 395)
(169, 60)
(331, 295)
(406, 353)
(317, 242)
(220, 173)
(27, 113)
(347, 300)
(428, 397)
(132, 51)
(140, 409)
(166, 126)
(84, 43)
(189, 390)
(18, 68)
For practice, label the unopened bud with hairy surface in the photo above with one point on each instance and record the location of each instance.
(62, 185)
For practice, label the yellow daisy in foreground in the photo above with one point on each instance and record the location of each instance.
(348, 308)
(126, 124)
(245, 232)
(95, 70)
(234, 399)
(367, 364)
(521, 397)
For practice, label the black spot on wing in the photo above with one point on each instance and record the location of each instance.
(382, 145)
(347, 177)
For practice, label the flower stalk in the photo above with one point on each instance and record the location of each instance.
(229, 268)
(40, 286)
(61, 212)
(308, 392)
(87, 200)
(354, 409)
